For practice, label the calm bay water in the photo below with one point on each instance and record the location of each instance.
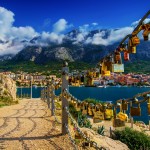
(102, 94)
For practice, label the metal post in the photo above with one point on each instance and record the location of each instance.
(130, 115)
(65, 71)
(149, 125)
(48, 95)
(121, 106)
(44, 94)
(52, 98)
(21, 92)
(130, 109)
(111, 128)
(131, 122)
(31, 85)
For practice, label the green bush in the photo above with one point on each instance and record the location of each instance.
(135, 140)
(73, 111)
(83, 121)
(92, 100)
(100, 130)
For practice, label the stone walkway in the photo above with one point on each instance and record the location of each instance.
(29, 126)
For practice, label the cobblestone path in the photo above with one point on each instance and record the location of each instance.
(29, 126)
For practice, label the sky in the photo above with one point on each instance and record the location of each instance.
(40, 14)
(51, 19)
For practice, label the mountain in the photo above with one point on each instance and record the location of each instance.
(74, 48)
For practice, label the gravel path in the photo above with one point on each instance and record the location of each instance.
(29, 126)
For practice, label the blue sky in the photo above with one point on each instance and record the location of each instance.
(23, 20)
(41, 14)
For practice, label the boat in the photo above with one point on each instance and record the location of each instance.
(101, 86)
(35, 86)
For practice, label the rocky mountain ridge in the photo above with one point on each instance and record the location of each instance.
(71, 50)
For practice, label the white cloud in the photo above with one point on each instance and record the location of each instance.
(23, 33)
(97, 39)
(61, 25)
(6, 21)
(115, 36)
(12, 34)
(10, 48)
(135, 23)
(52, 37)
(79, 38)
(94, 23)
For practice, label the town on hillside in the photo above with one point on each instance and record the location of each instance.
(77, 78)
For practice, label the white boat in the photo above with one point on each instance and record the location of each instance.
(105, 86)
(35, 86)
(100, 86)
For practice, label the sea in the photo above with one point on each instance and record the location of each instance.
(101, 94)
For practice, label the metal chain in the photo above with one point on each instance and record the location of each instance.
(71, 139)
(94, 144)
(55, 116)
(70, 95)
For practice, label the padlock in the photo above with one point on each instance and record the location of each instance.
(124, 106)
(108, 113)
(104, 70)
(98, 107)
(146, 32)
(98, 116)
(117, 57)
(78, 106)
(132, 49)
(122, 116)
(135, 41)
(135, 111)
(126, 55)
(106, 73)
(84, 108)
(117, 68)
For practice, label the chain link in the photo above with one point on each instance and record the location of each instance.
(71, 139)
(94, 144)
(66, 93)
(55, 115)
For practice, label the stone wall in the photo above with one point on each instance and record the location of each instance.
(7, 87)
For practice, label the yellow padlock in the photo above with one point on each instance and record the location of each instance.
(122, 116)
(135, 41)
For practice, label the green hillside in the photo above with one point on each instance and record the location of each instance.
(55, 67)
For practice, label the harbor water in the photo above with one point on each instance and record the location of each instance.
(102, 94)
